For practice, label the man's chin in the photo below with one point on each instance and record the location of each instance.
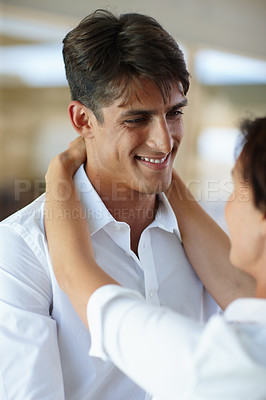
(156, 188)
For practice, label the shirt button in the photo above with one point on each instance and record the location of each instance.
(151, 293)
(128, 254)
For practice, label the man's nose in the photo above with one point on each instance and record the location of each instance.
(160, 137)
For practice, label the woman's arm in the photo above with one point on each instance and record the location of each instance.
(130, 330)
(67, 231)
(207, 247)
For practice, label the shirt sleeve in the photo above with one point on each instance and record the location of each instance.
(30, 365)
(171, 356)
(141, 340)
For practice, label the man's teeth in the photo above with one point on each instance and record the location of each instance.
(154, 161)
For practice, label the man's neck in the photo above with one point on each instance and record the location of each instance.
(138, 210)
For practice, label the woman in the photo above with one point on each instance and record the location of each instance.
(222, 360)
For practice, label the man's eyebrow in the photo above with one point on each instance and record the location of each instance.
(183, 103)
(135, 112)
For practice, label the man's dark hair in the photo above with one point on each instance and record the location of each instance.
(106, 55)
(253, 158)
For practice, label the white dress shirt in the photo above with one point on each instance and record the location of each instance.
(173, 357)
(43, 343)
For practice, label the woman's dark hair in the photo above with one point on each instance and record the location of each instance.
(253, 158)
(106, 55)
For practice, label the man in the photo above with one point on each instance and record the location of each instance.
(128, 82)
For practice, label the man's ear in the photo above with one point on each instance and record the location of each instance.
(81, 119)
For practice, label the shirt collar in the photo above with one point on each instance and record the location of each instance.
(165, 217)
(248, 310)
(98, 216)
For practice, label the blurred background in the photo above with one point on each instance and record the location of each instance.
(224, 46)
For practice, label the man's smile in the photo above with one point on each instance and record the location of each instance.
(154, 162)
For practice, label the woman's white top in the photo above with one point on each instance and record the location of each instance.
(173, 357)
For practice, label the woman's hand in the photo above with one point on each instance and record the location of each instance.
(68, 233)
(66, 164)
(59, 176)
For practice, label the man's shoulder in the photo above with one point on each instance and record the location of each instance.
(24, 264)
(30, 214)
(26, 223)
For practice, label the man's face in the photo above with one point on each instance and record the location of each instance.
(133, 150)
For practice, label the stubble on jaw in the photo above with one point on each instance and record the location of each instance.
(135, 190)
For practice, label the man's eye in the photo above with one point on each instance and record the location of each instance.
(135, 121)
(175, 113)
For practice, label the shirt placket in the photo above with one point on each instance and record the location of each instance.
(149, 269)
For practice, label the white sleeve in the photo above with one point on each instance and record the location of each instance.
(144, 341)
(171, 356)
(30, 365)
